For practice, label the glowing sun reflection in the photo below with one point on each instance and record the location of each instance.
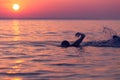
(16, 30)
(16, 79)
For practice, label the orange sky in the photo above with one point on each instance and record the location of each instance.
(82, 9)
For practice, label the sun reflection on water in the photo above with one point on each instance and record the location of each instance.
(16, 68)
(19, 61)
(16, 30)
(17, 79)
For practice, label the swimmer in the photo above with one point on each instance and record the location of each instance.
(113, 42)
(66, 43)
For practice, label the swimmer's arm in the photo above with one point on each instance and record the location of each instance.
(77, 42)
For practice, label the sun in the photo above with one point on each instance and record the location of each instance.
(16, 7)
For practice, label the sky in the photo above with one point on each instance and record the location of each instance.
(61, 9)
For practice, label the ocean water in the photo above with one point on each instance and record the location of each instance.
(29, 50)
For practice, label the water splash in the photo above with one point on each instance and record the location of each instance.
(104, 34)
(109, 32)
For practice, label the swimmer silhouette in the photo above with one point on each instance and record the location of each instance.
(66, 43)
(113, 42)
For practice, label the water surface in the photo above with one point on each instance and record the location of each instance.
(29, 51)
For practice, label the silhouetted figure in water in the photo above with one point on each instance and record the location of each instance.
(116, 39)
(114, 42)
(66, 43)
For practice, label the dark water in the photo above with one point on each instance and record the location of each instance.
(29, 51)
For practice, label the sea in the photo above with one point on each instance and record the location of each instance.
(30, 50)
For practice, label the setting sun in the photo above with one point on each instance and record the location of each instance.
(16, 7)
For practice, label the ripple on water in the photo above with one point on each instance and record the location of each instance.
(71, 65)
(71, 56)
(42, 60)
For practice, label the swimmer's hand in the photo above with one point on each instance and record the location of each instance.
(78, 34)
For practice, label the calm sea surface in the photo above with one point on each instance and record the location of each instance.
(29, 50)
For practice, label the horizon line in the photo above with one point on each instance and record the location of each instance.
(58, 19)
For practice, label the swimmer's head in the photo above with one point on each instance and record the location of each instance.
(115, 36)
(65, 44)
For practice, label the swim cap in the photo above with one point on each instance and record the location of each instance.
(65, 44)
